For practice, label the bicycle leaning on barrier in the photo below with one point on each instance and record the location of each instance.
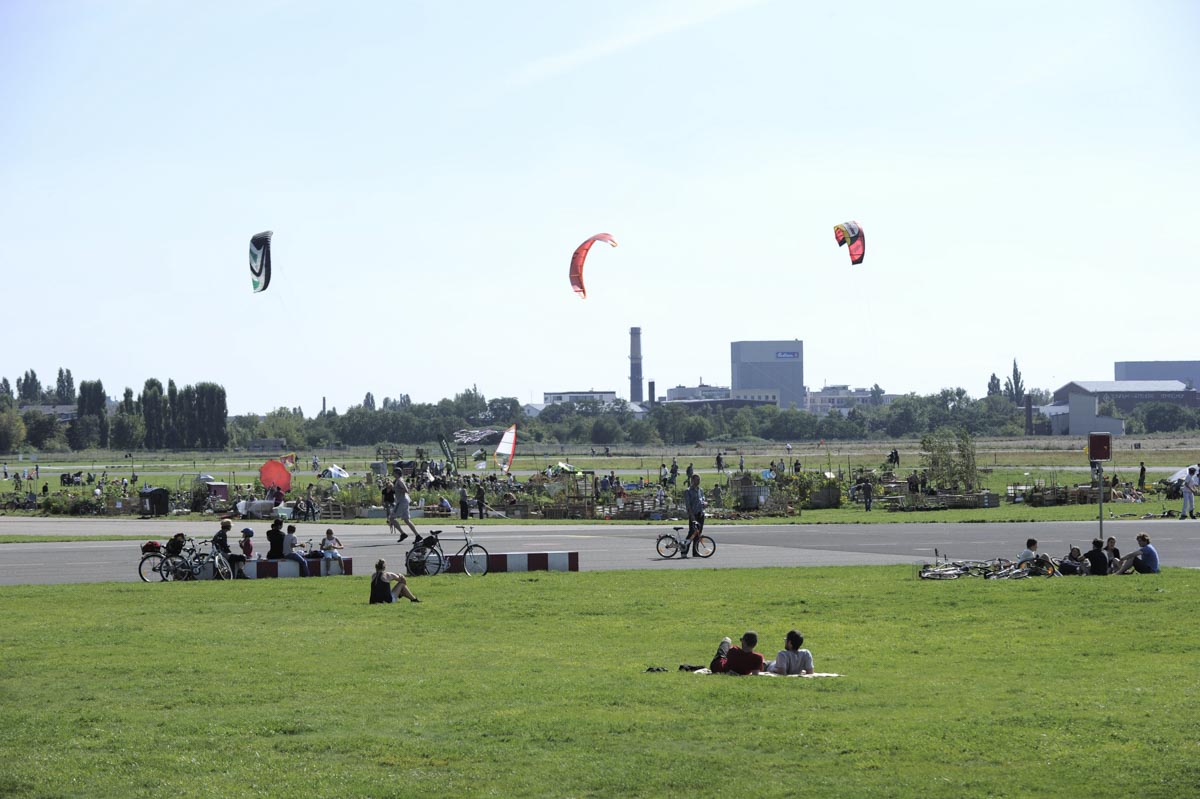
(427, 556)
(188, 564)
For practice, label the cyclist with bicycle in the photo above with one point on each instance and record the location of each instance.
(694, 503)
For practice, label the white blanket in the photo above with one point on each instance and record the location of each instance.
(772, 674)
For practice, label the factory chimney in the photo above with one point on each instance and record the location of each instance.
(652, 399)
(635, 364)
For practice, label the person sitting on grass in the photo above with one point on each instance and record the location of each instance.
(382, 591)
(1030, 553)
(1073, 563)
(1097, 559)
(1143, 560)
(738, 660)
(792, 659)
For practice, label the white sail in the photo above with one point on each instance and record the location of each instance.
(506, 449)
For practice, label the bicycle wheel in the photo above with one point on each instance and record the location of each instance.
(435, 562)
(176, 568)
(667, 546)
(705, 547)
(940, 574)
(414, 561)
(221, 569)
(150, 568)
(475, 560)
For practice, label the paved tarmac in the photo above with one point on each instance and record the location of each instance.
(601, 547)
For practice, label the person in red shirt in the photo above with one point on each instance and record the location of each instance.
(738, 660)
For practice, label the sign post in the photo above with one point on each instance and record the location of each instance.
(1100, 450)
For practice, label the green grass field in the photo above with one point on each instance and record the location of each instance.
(534, 685)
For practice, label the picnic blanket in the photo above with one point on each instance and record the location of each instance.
(771, 674)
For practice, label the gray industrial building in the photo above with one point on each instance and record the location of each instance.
(769, 366)
(1186, 372)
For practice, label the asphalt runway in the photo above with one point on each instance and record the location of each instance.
(601, 547)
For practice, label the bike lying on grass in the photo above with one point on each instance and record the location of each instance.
(671, 544)
(427, 556)
(998, 569)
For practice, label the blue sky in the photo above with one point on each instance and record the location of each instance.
(1026, 174)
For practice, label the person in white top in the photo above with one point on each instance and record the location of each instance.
(792, 659)
(329, 548)
(1030, 553)
(1191, 487)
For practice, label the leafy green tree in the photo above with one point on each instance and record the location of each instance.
(993, 386)
(12, 430)
(29, 388)
(504, 410)
(1163, 417)
(642, 432)
(92, 403)
(1014, 387)
(154, 414)
(127, 432)
(282, 423)
(6, 394)
(470, 405)
(369, 401)
(64, 392)
(906, 416)
(41, 429)
(877, 395)
(606, 430)
(84, 432)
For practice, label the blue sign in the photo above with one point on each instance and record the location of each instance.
(787, 355)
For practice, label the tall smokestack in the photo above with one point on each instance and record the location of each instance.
(635, 364)
(653, 399)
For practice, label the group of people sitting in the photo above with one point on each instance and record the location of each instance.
(1102, 559)
(742, 659)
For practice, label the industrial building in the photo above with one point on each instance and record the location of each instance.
(769, 367)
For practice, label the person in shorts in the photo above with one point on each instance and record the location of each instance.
(1143, 560)
(384, 591)
(401, 510)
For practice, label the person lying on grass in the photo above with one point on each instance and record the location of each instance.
(792, 659)
(738, 660)
(381, 589)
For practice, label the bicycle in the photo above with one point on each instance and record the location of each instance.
(670, 544)
(189, 564)
(428, 558)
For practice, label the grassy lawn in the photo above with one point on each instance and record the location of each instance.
(534, 685)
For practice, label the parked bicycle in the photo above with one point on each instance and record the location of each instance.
(428, 557)
(189, 564)
(671, 544)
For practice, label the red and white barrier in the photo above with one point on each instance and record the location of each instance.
(325, 567)
(525, 562)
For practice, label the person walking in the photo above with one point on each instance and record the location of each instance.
(693, 503)
(481, 500)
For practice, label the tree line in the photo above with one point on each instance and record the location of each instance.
(196, 417)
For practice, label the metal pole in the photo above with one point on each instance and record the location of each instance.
(1100, 474)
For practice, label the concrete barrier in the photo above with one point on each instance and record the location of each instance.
(324, 567)
(524, 562)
